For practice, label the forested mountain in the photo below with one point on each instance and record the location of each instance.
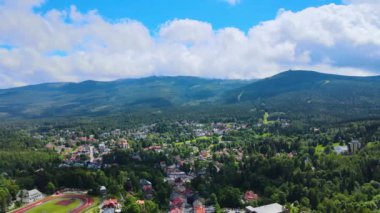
(309, 92)
(296, 91)
(98, 98)
(312, 83)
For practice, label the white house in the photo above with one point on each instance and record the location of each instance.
(30, 196)
(271, 208)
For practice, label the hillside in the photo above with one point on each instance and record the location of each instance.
(307, 91)
(99, 98)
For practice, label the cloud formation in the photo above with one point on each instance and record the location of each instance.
(70, 45)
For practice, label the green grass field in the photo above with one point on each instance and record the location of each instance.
(265, 119)
(51, 206)
(319, 149)
(192, 141)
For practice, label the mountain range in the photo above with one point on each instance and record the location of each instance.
(290, 90)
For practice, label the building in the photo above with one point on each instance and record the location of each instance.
(147, 189)
(250, 196)
(123, 144)
(30, 196)
(111, 206)
(102, 147)
(341, 149)
(354, 146)
(198, 207)
(103, 190)
(271, 208)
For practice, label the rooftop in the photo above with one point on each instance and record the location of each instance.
(271, 208)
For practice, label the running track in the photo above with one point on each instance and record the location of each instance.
(86, 202)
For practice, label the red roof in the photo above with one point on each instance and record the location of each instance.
(176, 210)
(250, 196)
(199, 209)
(147, 188)
(177, 201)
(91, 140)
(110, 203)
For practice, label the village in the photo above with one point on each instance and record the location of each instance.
(203, 145)
(87, 151)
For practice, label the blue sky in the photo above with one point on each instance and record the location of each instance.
(153, 13)
(76, 40)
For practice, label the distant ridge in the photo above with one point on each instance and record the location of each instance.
(287, 91)
(299, 80)
(99, 98)
(309, 91)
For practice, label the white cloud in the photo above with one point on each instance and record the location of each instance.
(361, 1)
(186, 31)
(73, 46)
(232, 2)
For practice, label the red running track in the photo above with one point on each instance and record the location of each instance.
(86, 202)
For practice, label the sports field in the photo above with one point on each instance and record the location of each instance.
(61, 205)
(64, 203)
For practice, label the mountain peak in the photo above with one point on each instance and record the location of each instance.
(302, 81)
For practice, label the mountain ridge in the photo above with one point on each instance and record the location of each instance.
(287, 90)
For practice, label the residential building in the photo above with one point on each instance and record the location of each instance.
(30, 196)
(111, 206)
(271, 208)
(250, 196)
(341, 149)
(354, 146)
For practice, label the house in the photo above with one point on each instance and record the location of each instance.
(144, 182)
(30, 196)
(140, 202)
(205, 154)
(177, 174)
(176, 210)
(198, 207)
(111, 206)
(92, 140)
(250, 196)
(83, 139)
(147, 189)
(341, 149)
(123, 143)
(154, 148)
(271, 208)
(210, 209)
(103, 190)
(102, 147)
(177, 202)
